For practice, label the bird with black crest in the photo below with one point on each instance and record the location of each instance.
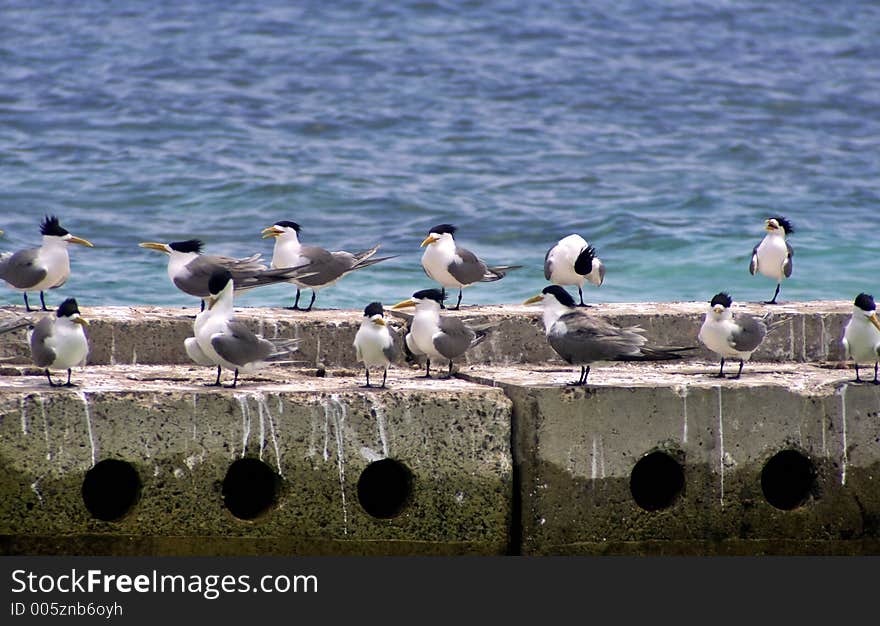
(39, 269)
(861, 335)
(572, 261)
(375, 342)
(59, 341)
(728, 335)
(773, 256)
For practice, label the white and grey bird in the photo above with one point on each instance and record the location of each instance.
(730, 336)
(325, 267)
(572, 261)
(39, 269)
(375, 342)
(437, 337)
(861, 336)
(455, 267)
(224, 342)
(582, 339)
(773, 256)
(59, 341)
(190, 270)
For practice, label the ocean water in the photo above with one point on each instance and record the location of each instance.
(663, 132)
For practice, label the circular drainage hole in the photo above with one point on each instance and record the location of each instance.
(250, 488)
(110, 489)
(656, 481)
(384, 488)
(788, 479)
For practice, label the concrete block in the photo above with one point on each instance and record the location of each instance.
(285, 464)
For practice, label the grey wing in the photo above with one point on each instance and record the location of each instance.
(326, 266)
(753, 264)
(469, 269)
(198, 272)
(43, 355)
(22, 269)
(392, 352)
(547, 269)
(239, 345)
(749, 334)
(586, 340)
(787, 266)
(454, 337)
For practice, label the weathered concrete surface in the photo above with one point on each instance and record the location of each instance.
(575, 450)
(809, 331)
(318, 434)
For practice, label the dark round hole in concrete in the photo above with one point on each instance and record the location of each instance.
(787, 479)
(110, 489)
(656, 481)
(384, 488)
(250, 488)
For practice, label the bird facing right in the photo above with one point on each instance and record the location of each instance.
(861, 336)
(375, 342)
(729, 336)
(59, 342)
(772, 257)
(572, 261)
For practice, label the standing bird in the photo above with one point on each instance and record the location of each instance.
(772, 257)
(225, 342)
(46, 267)
(581, 339)
(190, 270)
(728, 336)
(453, 266)
(60, 342)
(326, 267)
(572, 261)
(375, 342)
(861, 336)
(436, 337)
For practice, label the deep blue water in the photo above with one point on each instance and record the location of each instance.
(663, 132)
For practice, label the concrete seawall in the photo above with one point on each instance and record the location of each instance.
(143, 458)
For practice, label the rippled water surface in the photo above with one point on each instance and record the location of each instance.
(663, 132)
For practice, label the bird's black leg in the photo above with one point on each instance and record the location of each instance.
(721, 373)
(582, 380)
(234, 380)
(49, 376)
(427, 368)
(858, 380)
(450, 368)
(384, 376)
(216, 383)
(367, 371)
(581, 294)
(69, 384)
(26, 305)
(442, 297)
(776, 293)
(876, 382)
(586, 373)
(295, 306)
(739, 373)
(457, 304)
(312, 301)
(43, 301)
(203, 306)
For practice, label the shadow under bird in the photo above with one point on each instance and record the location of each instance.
(438, 337)
(376, 342)
(455, 267)
(59, 341)
(325, 267)
(222, 341)
(46, 267)
(581, 339)
(190, 270)
(861, 335)
(572, 261)
(729, 336)
(773, 256)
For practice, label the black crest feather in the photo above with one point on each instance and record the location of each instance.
(67, 308)
(51, 226)
(784, 222)
(865, 302)
(443, 228)
(429, 294)
(190, 245)
(218, 281)
(723, 299)
(374, 308)
(583, 265)
(560, 294)
(289, 224)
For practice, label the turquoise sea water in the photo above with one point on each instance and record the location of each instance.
(663, 132)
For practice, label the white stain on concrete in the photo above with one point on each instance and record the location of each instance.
(45, 426)
(88, 415)
(721, 458)
(245, 421)
(844, 460)
(335, 414)
(22, 410)
(266, 414)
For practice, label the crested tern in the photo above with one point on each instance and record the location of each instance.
(375, 342)
(326, 267)
(581, 339)
(46, 267)
(729, 336)
(572, 261)
(225, 342)
(59, 341)
(772, 257)
(453, 266)
(861, 335)
(438, 337)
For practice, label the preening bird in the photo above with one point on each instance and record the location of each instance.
(375, 342)
(325, 267)
(435, 336)
(225, 342)
(581, 339)
(772, 257)
(453, 266)
(190, 270)
(729, 336)
(59, 341)
(46, 267)
(572, 261)
(861, 336)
